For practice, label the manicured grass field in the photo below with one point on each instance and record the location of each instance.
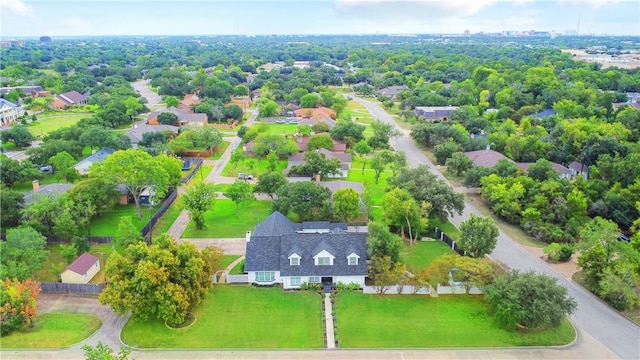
(226, 260)
(423, 253)
(409, 321)
(448, 228)
(53, 330)
(51, 121)
(240, 317)
(107, 223)
(222, 221)
(169, 217)
(283, 129)
(201, 175)
(238, 269)
(378, 190)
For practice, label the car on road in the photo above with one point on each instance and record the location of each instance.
(624, 238)
(243, 176)
(47, 169)
(280, 121)
(293, 121)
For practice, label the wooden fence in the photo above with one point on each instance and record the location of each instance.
(193, 171)
(146, 230)
(58, 287)
(453, 245)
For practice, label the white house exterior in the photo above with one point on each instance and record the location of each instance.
(280, 251)
(9, 112)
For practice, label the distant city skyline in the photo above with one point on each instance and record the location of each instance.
(24, 18)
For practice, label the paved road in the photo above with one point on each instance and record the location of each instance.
(153, 99)
(593, 316)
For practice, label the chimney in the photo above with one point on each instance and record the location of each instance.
(317, 178)
(248, 236)
(36, 186)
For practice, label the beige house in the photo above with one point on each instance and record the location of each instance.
(81, 270)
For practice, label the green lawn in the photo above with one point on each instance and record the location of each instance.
(378, 190)
(51, 121)
(240, 317)
(226, 260)
(448, 228)
(222, 221)
(55, 264)
(53, 330)
(283, 129)
(408, 321)
(44, 180)
(201, 175)
(107, 223)
(238, 269)
(169, 217)
(221, 187)
(423, 253)
(220, 149)
(232, 169)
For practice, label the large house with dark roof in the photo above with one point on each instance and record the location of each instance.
(184, 118)
(280, 251)
(70, 98)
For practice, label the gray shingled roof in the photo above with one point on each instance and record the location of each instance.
(274, 225)
(263, 253)
(53, 190)
(321, 225)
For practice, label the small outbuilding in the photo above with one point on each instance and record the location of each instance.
(81, 270)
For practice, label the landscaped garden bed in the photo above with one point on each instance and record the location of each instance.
(241, 317)
(410, 321)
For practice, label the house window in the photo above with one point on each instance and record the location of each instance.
(294, 261)
(265, 276)
(324, 261)
(314, 279)
(84, 275)
(353, 260)
(97, 264)
(295, 281)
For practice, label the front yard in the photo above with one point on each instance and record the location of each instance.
(53, 331)
(241, 317)
(412, 321)
(222, 222)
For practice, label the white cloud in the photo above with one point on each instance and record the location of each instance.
(591, 3)
(16, 8)
(413, 8)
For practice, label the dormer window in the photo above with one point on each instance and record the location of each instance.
(353, 258)
(294, 260)
(323, 258)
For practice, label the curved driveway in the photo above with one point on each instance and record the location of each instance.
(592, 316)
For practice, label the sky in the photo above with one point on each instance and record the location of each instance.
(24, 18)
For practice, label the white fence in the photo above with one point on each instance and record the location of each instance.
(411, 290)
(238, 279)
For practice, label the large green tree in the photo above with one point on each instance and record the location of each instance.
(478, 236)
(63, 164)
(239, 192)
(269, 183)
(198, 199)
(529, 300)
(136, 171)
(164, 280)
(383, 243)
(316, 163)
(307, 199)
(19, 135)
(23, 253)
(346, 204)
(402, 211)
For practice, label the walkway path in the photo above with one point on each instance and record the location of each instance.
(328, 322)
(227, 270)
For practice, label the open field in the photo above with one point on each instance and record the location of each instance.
(222, 222)
(53, 331)
(407, 321)
(239, 317)
(51, 121)
(623, 61)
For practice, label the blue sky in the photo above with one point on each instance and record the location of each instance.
(22, 18)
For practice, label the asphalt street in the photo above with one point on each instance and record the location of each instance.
(593, 316)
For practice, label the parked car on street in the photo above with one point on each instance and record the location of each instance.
(243, 176)
(48, 169)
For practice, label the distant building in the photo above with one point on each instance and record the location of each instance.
(184, 119)
(563, 171)
(391, 91)
(53, 190)
(83, 165)
(68, 99)
(485, 158)
(138, 130)
(432, 113)
(45, 39)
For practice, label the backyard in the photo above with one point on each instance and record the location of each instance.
(107, 223)
(51, 121)
(52, 331)
(251, 165)
(55, 264)
(241, 317)
(423, 253)
(448, 321)
(222, 222)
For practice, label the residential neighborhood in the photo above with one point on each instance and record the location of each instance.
(174, 194)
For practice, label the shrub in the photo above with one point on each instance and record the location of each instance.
(558, 252)
(347, 287)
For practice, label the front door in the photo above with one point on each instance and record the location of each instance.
(327, 280)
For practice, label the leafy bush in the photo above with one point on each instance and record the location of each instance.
(558, 252)
(310, 286)
(347, 287)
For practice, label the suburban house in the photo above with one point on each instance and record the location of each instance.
(391, 91)
(338, 146)
(33, 91)
(280, 251)
(485, 158)
(544, 113)
(9, 112)
(345, 159)
(68, 99)
(432, 113)
(578, 168)
(563, 171)
(147, 196)
(318, 113)
(184, 119)
(187, 104)
(334, 185)
(81, 270)
(52, 190)
(83, 165)
(138, 130)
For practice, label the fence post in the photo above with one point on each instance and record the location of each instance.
(453, 245)
(441, 236)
